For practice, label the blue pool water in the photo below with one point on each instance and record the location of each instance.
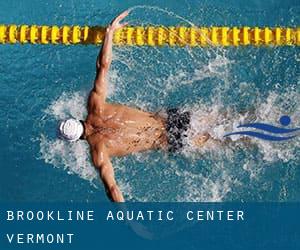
(42, 84)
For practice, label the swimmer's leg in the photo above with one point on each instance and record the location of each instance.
(200, 140)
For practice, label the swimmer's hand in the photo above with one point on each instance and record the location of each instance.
(115, 24)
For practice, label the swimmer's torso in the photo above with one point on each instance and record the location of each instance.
(124, 130)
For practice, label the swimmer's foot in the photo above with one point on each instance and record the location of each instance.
(200, 140)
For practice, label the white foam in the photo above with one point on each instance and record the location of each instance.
(72, 157)
(217, 121)
(214, 118)
(174, 182)
(68, 105)
(211, 188)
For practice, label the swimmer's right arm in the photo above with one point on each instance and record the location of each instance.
(103, 164)
(105, 56)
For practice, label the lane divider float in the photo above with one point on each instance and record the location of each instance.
(152, 35)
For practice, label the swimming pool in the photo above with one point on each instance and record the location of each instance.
(42, 84)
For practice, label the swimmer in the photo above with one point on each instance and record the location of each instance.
(114, 130)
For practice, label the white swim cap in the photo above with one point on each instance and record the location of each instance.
(70, 130)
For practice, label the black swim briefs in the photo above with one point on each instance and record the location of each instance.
(177, 124)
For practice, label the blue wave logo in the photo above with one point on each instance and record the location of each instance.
(279, 133)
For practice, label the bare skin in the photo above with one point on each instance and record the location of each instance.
(118, 130)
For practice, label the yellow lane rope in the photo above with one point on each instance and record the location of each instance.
(152, 35)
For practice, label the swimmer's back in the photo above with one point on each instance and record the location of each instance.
(126, 130)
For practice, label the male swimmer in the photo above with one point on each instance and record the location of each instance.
(117, 130)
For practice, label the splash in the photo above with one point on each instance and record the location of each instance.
(73, 158)
(217, 120)
(68, 105)
(218, 88)
(192, 185)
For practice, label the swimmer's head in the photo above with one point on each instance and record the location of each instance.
(70, 130)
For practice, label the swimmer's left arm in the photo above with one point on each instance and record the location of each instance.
(105, 56)
(103, 164)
